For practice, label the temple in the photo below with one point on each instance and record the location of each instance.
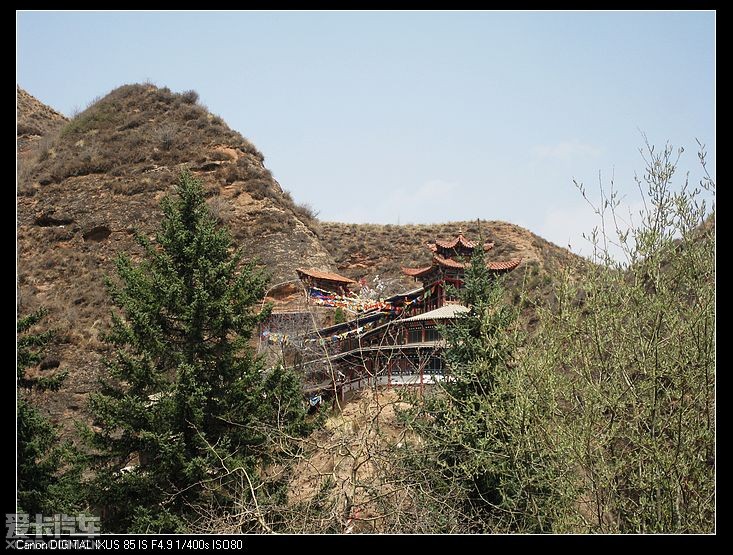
(394, 341)
(448, 266)
(324, 281)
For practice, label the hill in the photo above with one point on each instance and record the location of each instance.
(86, 185)
(91, 182)
(34, 118)
(34, 121)
(368, 249)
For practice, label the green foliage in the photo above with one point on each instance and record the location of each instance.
(634, 343)
(187, 397)
(481, 448)
(284, 399)
(30, 345)
(339, 317)
(603, 419)
(48, 469)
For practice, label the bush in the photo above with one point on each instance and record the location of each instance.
(220, 209)
(305, 212)
(190, 97)
(193, 113)
(629, 352)
(166, 135)
(258, 188)
(136, 186)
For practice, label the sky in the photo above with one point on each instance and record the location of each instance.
(413, 117)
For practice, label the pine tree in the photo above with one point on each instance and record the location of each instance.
(481, 450)
(48, 468)
(186, 398)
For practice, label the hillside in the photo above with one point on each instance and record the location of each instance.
(368, 249)
(620, 370)
(35, 122)
(35, 119)
(91, 183)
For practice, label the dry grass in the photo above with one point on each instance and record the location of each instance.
(34, 117)
(347, 463)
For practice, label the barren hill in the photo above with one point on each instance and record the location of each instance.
(89, 185)
(35, 119)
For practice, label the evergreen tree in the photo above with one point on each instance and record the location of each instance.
(187, 398)
(47, 467)
(481, 451)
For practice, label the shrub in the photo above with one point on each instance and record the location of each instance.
(136, 186)
(629, 347)
(193, 113)
(258, 188)
(220, 209)
(305, 212)
(166, 135)
(190, 97)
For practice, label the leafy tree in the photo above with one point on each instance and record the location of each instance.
(482, 449)
(48, 469)
(187, 408)
(603, 420)
(632, 338)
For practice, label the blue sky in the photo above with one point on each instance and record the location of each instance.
(412, 117)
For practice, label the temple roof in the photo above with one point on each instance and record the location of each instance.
(498, 265)
(407, 294)
(317, 274)
(449, 263)
(460, 240)
(504, 264)
(415, 272)
(445, 312)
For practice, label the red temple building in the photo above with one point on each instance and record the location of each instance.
(448, 266)
(399, 344)
(325, 281)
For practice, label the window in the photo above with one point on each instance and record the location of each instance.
(434, 366)
(432, 334)
(414, 335)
